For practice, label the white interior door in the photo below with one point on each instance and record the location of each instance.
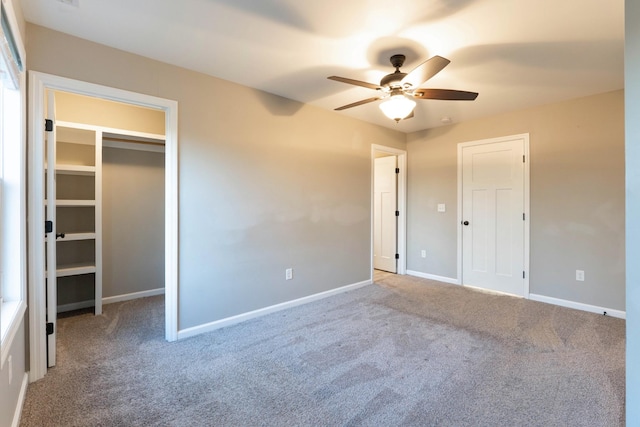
(51, 279)
(493, 221)
(385, 205)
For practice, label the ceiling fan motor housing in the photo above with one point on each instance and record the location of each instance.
(397, 60)
(393, 80)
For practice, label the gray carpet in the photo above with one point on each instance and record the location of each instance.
(405, 351)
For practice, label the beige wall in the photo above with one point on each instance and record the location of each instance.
(132, 221)
(577, 196)
(265, 183)
(10, 391)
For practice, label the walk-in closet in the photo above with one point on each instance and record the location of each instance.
(105, 195)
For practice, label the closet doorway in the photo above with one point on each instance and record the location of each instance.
(132, 209)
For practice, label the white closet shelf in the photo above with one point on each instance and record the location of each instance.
(78, 236)
(75, 170)
(75, 269)
(68, 237)
(72, 203)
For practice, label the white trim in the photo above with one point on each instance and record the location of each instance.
(133, 295)
(38, 83)
(63, 308)
(110, 300)
(15, 32)
(527, 209)
(21, 396)
(36, 218)
(402, 203)
(579, 306)
(451, 280)
(233, 320)
(15, 317)
(98, 222)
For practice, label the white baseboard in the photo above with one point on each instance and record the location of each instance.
(534, 297)
(110, 300)
(75, 306)
(212, 326)
(433, 277)
(579, 306)
(20, 403)
(133, 295)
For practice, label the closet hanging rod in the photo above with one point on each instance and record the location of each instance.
(134, 141)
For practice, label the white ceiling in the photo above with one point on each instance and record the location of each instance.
(515, 53)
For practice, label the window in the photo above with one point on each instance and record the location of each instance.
(12, 182)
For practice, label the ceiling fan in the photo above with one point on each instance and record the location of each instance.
(399, 89)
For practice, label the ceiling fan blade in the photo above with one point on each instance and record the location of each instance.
(355, 82)
(355, 104)
(425, 71)
(445, 94)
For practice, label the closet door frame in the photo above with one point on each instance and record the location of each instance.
(39, 83)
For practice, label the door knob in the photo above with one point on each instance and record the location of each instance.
(465, 223)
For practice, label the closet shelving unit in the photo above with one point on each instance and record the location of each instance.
(78, 204)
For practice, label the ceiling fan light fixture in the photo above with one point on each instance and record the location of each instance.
(397, 107)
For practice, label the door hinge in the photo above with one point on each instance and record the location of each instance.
(397, 256)
(523, 275)
(50, 328)
(48, 125)
(523, 217)
(523, 158)
(48, 227)
(397, 170)
(397, 213)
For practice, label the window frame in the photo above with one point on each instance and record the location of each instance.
(12, 310)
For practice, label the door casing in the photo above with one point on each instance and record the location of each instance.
(38, 84)
(461, 146)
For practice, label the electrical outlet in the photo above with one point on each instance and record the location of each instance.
(580, 275)
(288, 274)
(423, 253)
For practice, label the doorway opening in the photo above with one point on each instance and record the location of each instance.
(388, 209)
(39, 85)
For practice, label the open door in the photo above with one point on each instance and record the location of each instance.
(50, 229)
(385, 214)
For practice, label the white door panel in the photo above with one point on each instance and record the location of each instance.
(492, 209)
(384, 214)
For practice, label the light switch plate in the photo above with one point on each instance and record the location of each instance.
(442, 207)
